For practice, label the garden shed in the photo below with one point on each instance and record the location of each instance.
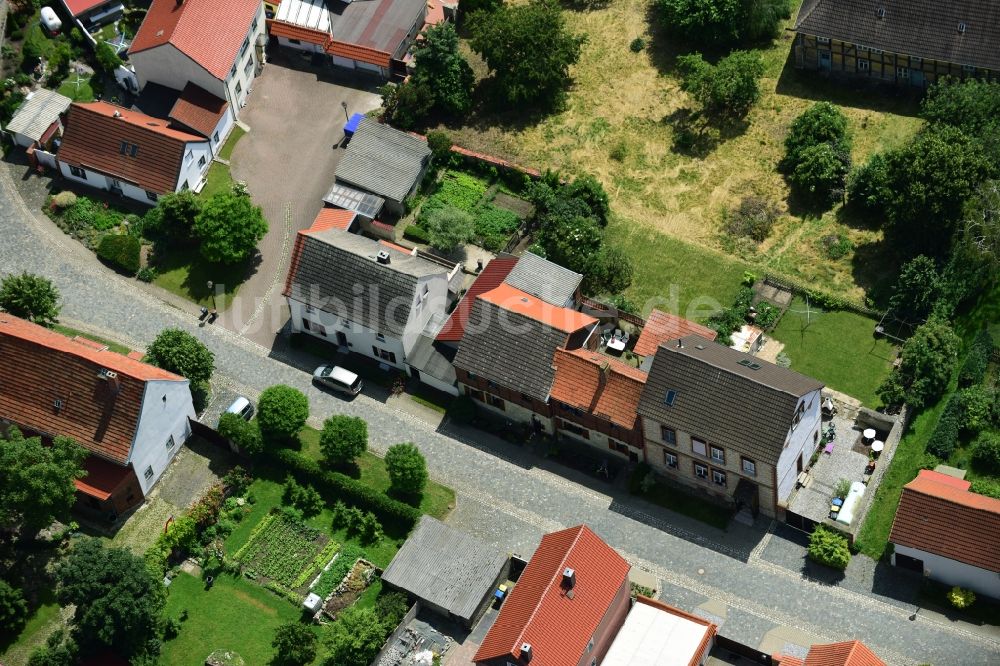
(447, 571)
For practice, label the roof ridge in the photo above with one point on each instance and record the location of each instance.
(520, 637)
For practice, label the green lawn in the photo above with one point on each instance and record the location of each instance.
(217, 181)
(437, 501)
(234, 614)
(675, 276)
(82, 92)
(71, 332)
(186, 273)
(234, 138)
(838, 348)
(14, 651)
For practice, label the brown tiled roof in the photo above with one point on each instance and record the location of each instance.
(93, 139)
(663, 327)
(39, 367)
(725, 396)
(490, 277)
(598, 385)
(925, 28)
(332, 218)
(198, 109)
(936, 516)
(848, 653)
(210, 32)
(538, 610)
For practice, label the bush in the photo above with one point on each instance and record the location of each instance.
(960, 597)
(836, 246)
(86, 213)
(440, 144)
(977, 361)
(726, 90)
(829, 548)
(407, 469)
(449, 227)
(13, 609)
(977, 407)
(244, 434)
(988, 487)
(820, 172)
(868, 186)
(146, 274)
(64, 199)
(343, 439)
(638, 478)
(121, 252)
(303, 498)
(178, 351)
(281, 413)
(391, 607)
(942, 440)
(107, 58)
(294, 644)
(335, 485)
(986, 454)
(842, 488)
(417, 234)
(637, 45)
(753, 218)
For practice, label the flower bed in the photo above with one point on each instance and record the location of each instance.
(284, 555)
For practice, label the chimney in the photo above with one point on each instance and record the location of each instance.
(117, 114)
(680, 343)
(569, 578)
(179, 2)
(526, 653)
(382, 257)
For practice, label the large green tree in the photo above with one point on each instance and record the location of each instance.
(36, 481)
(13, 609)
(927, 184)
(407, 468)
(174, 215)
(30, 297)
(978, 240)
(529, 51)
(926, 364)
(820, 123)
(917, 289)
(180, 352)
(726, 90)
(281, 413)
(722, 22)
(449, 227)
(343, 439)
(356, 637)
(443, 70)
(294, 644)
(229, 227)
(973, 105)
(118, 600)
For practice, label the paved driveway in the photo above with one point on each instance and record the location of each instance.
(288, 159)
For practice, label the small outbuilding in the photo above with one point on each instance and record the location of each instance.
(38, 121)
(447, 571)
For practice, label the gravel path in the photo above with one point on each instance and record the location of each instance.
(510, 497)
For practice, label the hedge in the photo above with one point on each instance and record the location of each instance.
(416, 233)
(121, 252)
(829, 547)
(942, 441)
(337, 486)
(977, 361)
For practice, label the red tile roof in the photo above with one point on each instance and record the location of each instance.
(396, 247)
(785, 660)
(937, 516)
(848, 653)
(77, 7)
(663, 326)
(39, 366)
(93, 139)
(332, 218)
(599, 385)
(538, 610)
(103, 478)
(198, 109)
(210, 32)
(289, 31)
(491, 277)
(523, 303)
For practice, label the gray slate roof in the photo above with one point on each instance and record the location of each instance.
(544, 279)
(428, 359)
(383, 160)
(722, 401)
(38, 111)
(327, 266)
(510, 349)
(924, 28)
(446, 567)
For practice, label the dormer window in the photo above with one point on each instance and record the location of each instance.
(128, 149)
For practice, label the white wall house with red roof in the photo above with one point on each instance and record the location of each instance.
(129, 153)
(216, 44)
(132, 417)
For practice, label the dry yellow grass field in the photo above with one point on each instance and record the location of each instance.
(615, 126)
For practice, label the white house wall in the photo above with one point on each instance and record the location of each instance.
(101, 182)
(436, 301)
(169, 67)
(952, 572)
(191, 172)
(307, 46)
(166, 408)
(801, 443)
(243, 77)
(434, 382)
(360, 339)
(222, 130)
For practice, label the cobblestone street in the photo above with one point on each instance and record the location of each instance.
(753, 579)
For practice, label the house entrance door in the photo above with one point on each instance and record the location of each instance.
(824, 61)
(341, 338)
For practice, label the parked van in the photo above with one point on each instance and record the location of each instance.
(242, 407)
(337, 378)
(50, 21)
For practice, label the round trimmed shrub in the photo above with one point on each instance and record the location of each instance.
(121, 251)
(281, 413)
(407, 469)
(986, 454)
(959, 597)
(829, 548)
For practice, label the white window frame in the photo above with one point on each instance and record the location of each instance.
(822, 40)
(864, 65)
(170, 442)
(719, 477)
(721, 458)
(748, 466)
(148, 474)
(668, 435)
(902, 72)
(699, 467)
(670, 460)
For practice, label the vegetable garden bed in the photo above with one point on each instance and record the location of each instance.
(351, 587)
(283, 555)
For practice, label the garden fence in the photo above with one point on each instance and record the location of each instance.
(788, 284)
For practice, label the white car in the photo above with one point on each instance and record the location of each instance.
(242, 407)
(337, 378)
